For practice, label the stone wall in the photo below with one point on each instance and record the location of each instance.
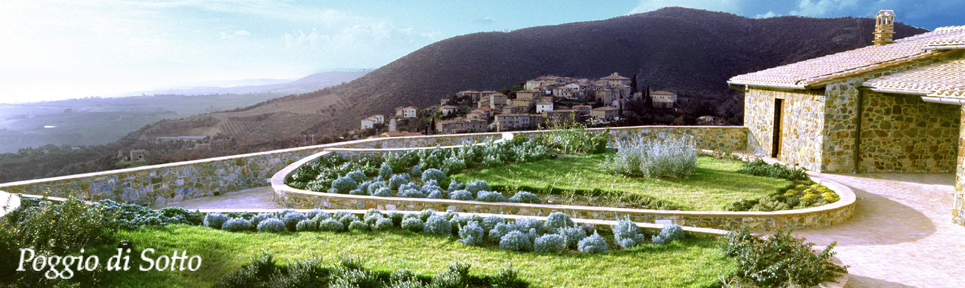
(732, 138)
(958, 208)
(802, 125)
(758, 221)
(905, 134)
(423, 141)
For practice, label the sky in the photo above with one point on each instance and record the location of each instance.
(53, 49)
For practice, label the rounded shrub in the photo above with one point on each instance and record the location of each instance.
(306, 225)
(292, 219)
(413, 224)
(371, 219)
(397, 180)
(260, 217)
(382, 224)
(433, 190)
(461, 195)
(321, 216)
(435, 174)
(271, 225)
(549, 243)
(357, 192)
(573, 236)
(438, 225)
(487, 196)
(431, 182)
(516, 241)
(344, 185)
(312, 213)
(453, 186)
(372, 188)
(357, 225)
(357, 175)
(499, 231)
(236, 225)
(478, 185)
(593, 244)
(410, 185)
(556, 221)
(627, 234)
(385, 171)
(669, 233)
(364, 187)
(425, 214)
(525, 197)
(450, 215)
(383, 192)
(331, 225)
(437, 194)
(525, 224)
(333, 190)
(490, 222)
(372, 211)
(416, 171)
(396, 218)
(411, 193)
(471, 234)
(348, 219)
(215, 220)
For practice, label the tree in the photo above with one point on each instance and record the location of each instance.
(648, 103)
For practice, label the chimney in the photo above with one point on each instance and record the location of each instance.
(884, 27)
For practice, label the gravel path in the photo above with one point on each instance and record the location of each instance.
(254, 198)
(901, 235)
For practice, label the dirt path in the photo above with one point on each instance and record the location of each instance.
(901, 235)
(254, 198)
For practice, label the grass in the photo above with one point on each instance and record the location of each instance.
(715, 184)
(693, 262)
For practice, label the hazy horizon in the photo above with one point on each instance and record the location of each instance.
(56, 50)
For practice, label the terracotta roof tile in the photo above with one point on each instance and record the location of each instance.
(946, 79)
(821, 69)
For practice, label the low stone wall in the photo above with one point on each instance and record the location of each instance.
(423, 141)
(758, 221)
(732, 138)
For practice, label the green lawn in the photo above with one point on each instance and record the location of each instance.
(694, 262)
(715, 184)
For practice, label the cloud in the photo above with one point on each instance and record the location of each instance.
(823, 8)
(300, 39)
(731, 6)
(769, 14)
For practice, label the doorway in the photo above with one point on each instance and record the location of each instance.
(778, 119)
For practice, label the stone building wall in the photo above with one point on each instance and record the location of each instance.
(958, 208)
(802, 125)
(905, 134)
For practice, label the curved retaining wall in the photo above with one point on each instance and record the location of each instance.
(758, 221)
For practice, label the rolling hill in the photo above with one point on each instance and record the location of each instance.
(691, 52)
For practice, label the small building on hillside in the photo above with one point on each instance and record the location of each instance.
(615, 79)
(139, 155)
(583, 109)
(510, 122)
(407, 112)
(544, 106)
(497, 100)
(474, 95)
(524, 104)
(663, 99)
(461, 125)
(448, 109)
(605, 114)
(528, 94)
(706, 120)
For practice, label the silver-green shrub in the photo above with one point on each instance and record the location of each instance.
(500, 230)
(487, 196)
(478, 185)
(627, 234)
(382, 224)
(375, 187)
(549, 243)
(347, 219)
(357, 175)
(416, 171)
(306, 225)
(383, 192)
(312, 213)
(385, 171)
(525, 224)
(357, 192)
(236, 225)
(411, 193)
(461, 195)
(432, 182)
(516, 241)
(357, 225)
(321, 216)
(291, 220)
(215, 220)
(453, 186)
(397, 180)
(669, 233)
(573, 236)
(593, 244)
(435, 174)
(437, 194)
(556, 221)
(271, 225)
(425, 214)
(410, 185)
(674, 157)
(490, 222)
(372, 211)
(364, 188)
(413, 224)
(438, 225)
(525, 197)
(331, 225)
(371, 219)
(261, 217)
(396, 218)
(345, 184)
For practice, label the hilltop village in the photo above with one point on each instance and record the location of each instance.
(542, 102)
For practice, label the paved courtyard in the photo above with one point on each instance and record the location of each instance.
(901, 234)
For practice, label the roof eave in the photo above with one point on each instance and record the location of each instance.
(944, 47)
(768, 85)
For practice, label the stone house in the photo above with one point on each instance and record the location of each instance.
(615, 79)
(448, 109)
(461, 125)
(663, 99)
(475, 95)
(528, 94)
(605, 96)
(484, 102)
(510, 122)
(512, 110)
(544, 106)
(605, 113)
(893, 106)
(139, 155)
(523, 104)
(367, 123)
(407, 112)
(583, 109)
(497, 100)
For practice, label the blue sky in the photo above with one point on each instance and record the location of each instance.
(68, 49)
